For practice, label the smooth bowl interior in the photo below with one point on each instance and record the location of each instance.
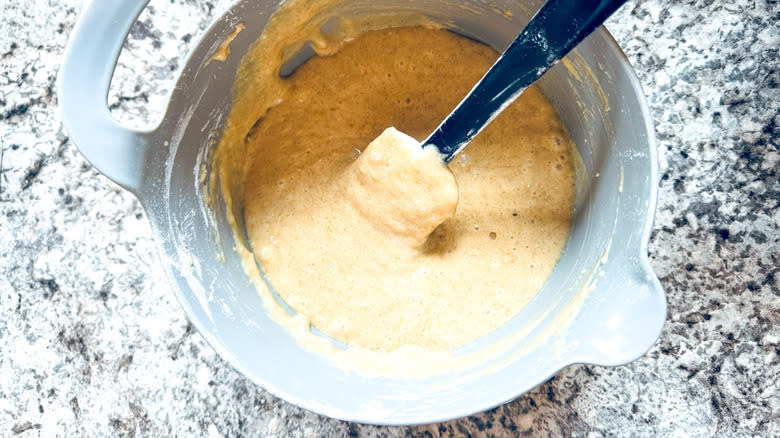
(601, 305)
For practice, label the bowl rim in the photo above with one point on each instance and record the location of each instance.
(501, 396)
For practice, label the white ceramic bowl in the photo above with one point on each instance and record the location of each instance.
(602, 305)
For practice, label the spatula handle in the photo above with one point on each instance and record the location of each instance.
(552, 33)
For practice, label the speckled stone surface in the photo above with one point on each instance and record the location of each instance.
(93, 343)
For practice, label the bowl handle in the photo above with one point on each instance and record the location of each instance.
(84, 80)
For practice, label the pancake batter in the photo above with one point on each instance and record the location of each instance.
(384, 247)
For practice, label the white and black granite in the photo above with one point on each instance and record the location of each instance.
(93, 343)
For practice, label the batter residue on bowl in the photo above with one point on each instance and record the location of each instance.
(377, 263)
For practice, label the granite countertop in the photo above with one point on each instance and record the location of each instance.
(93, 342)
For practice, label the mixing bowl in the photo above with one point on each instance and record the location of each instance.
(602, 305)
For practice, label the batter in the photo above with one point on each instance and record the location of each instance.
(384, 246)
